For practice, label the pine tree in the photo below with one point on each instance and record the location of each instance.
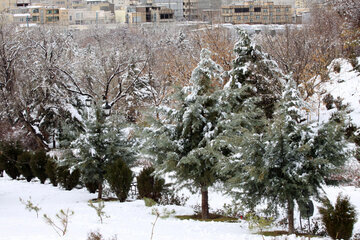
(286, 162)
(100, 145)
(182, 141)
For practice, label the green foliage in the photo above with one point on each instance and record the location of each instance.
(92, 186)
(8, 158)
(99, 210)
(29, 205)
(289, 160)
(119, 177)
(23, 165)
(99, 146)
(51, 171)
(66, 179)
(38, 163)
(148, 185)
(258, 222)
(149, 202)
(339, 220)
(170, 197)
(181, 141)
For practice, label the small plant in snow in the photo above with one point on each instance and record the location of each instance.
(258, 222)
(63, 218)
(165, 214)
(29, 205)
(149, 202)
(99, 210)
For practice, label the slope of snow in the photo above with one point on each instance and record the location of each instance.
(345, 85)
(129, 220)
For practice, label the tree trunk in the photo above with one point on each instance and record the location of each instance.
(204, 203)
(100, 191)
(290, 213)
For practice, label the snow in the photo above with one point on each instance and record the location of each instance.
(129, 220)
(346, 85)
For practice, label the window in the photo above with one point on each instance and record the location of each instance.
(257, 9)
(56, 11)
(246, 17)
(278, 18)
(265, 10)
(286, 9)
(35, 18)
(238, 18)
(70, 18)
(227, 19)
(241, 10)
(265, 18)
(278, 9)
(257, 17)
(49, 11)
(36, 10)
(251, 13)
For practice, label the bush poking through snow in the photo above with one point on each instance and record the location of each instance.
(8, 157)
(149, 202)
(119, 177)
(29, 205)
(63, 218)
(258, 222)
(51, 171)
(66, 179)
(37, 163)
(148, 185)
(97, 236)
(23, 165)
(339, 220)
(99, 210)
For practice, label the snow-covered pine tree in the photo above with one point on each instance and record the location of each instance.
(182, 142)
(101, 144)
(285, 163)
(253, 74)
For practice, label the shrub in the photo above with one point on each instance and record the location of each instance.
(92, 187)
(148, 185)
(37, 163)
(66, 179)
(170, 197)
(8, 158)
(339, 220)
(51, 171)
(149, 202)
(120, 177)
(23, 165)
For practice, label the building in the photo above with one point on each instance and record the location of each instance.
(149, 13)
(88, 17)
(49, 15)
(6, 5)
(202, 10)
(175, 5)
(256, 12)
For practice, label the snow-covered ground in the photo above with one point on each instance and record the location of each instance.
(129, 220)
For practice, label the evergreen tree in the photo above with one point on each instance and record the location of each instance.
(23, 165)
(100, 145)
(182, 141)
(288, 161)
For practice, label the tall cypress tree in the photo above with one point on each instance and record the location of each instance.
(289, 160)
(182, 141)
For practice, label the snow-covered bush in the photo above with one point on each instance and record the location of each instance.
(9, 152)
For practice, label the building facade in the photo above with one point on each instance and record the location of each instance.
(255, 12)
